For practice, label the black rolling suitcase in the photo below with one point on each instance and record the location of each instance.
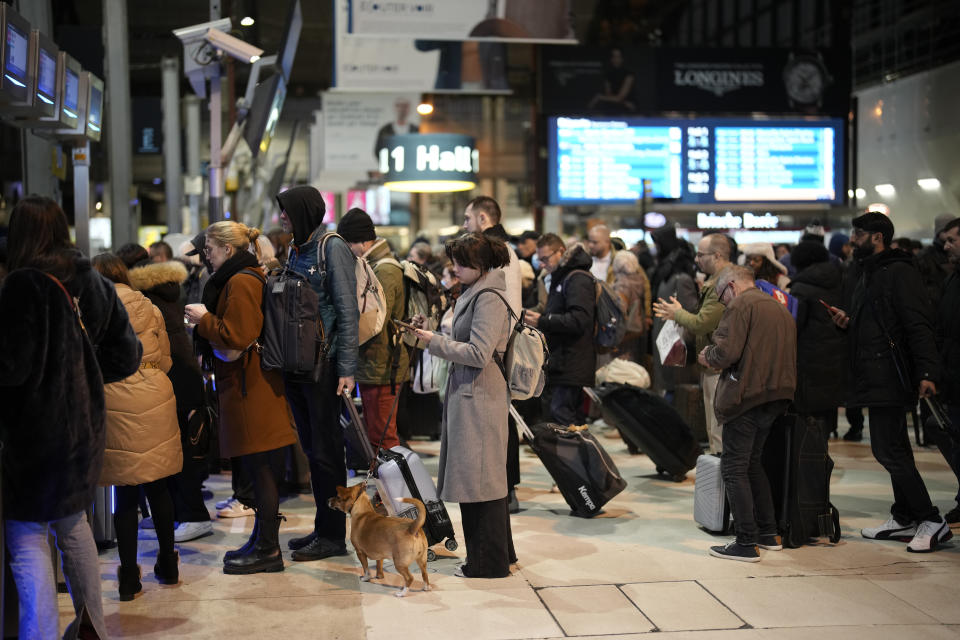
(584, 473)
(798, 467)
(688, 400)
(419, 414)
(653, 426)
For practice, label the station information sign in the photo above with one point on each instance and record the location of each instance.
(697, 161)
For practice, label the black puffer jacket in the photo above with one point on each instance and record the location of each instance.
(161, 283)
(820, 372)
(567, 322)
(948, 339)
(889, 298)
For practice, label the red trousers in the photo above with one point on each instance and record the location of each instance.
(377, 403)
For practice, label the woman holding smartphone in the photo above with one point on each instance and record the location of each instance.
(473, 440)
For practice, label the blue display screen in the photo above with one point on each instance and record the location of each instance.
(696, 161)
(16, 58)
(71, 93)
(96, 105)
(47, 74)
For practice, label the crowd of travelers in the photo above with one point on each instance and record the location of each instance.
(113, 366)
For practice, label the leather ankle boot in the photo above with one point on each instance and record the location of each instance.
(264, 556)
(167, 570)
(248, 545)
(129, 582)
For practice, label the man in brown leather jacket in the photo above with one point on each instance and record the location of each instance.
(755, 345)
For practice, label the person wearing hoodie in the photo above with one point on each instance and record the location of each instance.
(53, 423)
(316, 404)
(567, 323)
(383, 363)
(821, 376)
(143, 439)
(893, 353)
(161, 283)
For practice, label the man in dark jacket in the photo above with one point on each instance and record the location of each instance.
(948, 341)
(820, 374)
(316, 405)
(755, 346)
(567, 323)
(894, 357)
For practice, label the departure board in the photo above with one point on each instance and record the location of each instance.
(694, 160)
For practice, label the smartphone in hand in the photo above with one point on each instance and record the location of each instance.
(406, 325)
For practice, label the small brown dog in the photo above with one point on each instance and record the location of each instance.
(377, 537)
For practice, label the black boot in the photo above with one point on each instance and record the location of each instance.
(855, 434)
(248, 544)
(264, 556)
(167, 569)
(129, 579)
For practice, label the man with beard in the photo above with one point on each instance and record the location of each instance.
(316, 405)
(948, 340)
(894, 358)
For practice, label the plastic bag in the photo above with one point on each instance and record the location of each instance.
(670, 344)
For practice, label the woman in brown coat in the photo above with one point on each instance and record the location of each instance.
(254, 418)
(143, 438)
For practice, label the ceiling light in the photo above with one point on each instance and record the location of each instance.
(929, 184)
(861, 193)
(430, 186)
(247, 21)
(424, 108)
(886, 190)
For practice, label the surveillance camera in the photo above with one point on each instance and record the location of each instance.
(197, 32)
(243, 51)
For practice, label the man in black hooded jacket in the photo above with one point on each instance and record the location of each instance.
(316, 405)
(894, 357)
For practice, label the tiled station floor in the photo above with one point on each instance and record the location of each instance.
(640, 568)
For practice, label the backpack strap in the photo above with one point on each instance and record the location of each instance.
(497, 357)
(596, 292)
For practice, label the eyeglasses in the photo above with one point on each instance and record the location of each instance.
(547, 257)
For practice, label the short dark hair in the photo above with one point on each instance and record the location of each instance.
(875, 222)
(953, 224)
(478, 251)
(551, 240)
(488, 205)
(165, 249)
(112, 268)
(132, 254)
(528, 235)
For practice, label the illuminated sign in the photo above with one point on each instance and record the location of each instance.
(430, 162)
(730, 220)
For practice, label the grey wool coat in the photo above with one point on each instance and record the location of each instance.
(473, 441)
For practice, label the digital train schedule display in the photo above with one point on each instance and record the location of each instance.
(696, 161)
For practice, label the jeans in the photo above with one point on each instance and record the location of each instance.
(748, 489)
(32, 570)
(316, 411)
(566, 405)
(891, 448)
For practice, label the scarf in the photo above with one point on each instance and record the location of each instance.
(211, 296)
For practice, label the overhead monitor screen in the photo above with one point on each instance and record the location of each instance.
(47, 76)
(96, 106)
(694, 160)
(71, 93)
(16, 64)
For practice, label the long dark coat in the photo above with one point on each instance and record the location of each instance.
(567, 322)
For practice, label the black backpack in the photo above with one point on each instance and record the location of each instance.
(292, 339)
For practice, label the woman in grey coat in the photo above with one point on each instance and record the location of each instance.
(473, 442)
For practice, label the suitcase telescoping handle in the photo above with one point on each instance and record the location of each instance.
(521, 423)
(358, 425)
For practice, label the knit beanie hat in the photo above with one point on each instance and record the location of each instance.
(356, 226)
(837, 241)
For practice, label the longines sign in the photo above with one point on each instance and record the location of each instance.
(718, 79)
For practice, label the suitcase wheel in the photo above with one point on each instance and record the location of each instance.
(451, 544)
(431, 555)
(679, 477)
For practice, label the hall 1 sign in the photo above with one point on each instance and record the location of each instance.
(730, 220)
(429, 162)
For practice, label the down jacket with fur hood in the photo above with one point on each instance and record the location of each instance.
(143, 438)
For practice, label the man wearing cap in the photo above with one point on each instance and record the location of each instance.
(894, 358)
(316, 405)
(383, 361)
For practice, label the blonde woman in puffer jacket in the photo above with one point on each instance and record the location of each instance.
(143, 438)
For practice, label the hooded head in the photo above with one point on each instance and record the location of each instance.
(837, 241)
(305, 209)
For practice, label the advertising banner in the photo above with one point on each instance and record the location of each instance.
(355, 126)
(543, 21)
(643, 80)
(401, 63)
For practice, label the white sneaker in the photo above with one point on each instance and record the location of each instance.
(929, 535)
(890, 530)
(192, 530)
(234, 509)
(223, 503)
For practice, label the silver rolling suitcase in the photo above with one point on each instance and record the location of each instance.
(710, 507)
